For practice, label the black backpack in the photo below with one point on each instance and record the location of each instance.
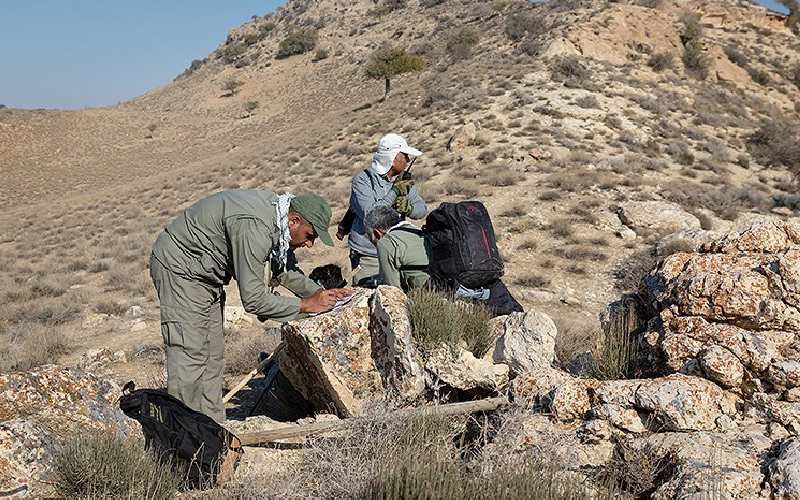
(462, 246)
(188, 439)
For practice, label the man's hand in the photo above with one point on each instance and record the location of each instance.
(402, 187)
(323, 300)
(402, 206)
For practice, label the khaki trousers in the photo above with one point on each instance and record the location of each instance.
(191, 326)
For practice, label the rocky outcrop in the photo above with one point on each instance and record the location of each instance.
(656, 217)
(731, 312)
(527, 341)
(328, 359)
(784, 471)
(674, 403)
(40, 407)
(365, 352)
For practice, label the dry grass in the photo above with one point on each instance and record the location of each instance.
(438, 318)
(104, 465)
(25, 345)
(242, 352)
(388, 458)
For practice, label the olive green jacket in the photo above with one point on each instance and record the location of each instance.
(402, 258)
(231, 235)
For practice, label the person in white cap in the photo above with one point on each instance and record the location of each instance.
(387, 182)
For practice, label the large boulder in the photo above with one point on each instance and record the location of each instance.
(456, 372)
(731, 311)
(527, 341)
(40, 408)
(656, 217)
(361, 353)
(784, 471)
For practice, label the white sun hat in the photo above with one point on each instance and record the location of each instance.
(389, 146)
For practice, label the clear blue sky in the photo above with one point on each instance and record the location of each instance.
(78, 53)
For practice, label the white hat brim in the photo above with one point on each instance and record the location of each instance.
(411, 151)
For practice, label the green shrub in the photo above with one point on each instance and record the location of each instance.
(775, 143)
(661, 61)
(103, 465)
(692, 28)
(430, 3)
(759, 76)
(231, 86)
(520, 25)
(570, 70)
(232, 52)
(297, 42)
(438, 318)
(695, 60)
(461, 42)
(735, 55)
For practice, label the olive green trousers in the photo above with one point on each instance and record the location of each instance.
(191, 325)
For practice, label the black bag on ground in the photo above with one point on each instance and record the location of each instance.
(189, 439)
(462, 245)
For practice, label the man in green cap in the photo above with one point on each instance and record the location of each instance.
(231, 234)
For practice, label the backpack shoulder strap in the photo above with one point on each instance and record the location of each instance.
(412, 230)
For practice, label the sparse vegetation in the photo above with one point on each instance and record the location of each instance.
(232, 52)
(775, 143)
(521, 25)
(571, 71)
(104, 465)
(388, 62)
(694, 57)
(26, 345)
(231, 87)
(297, 42)
(438, 318)
(250, 106)
(661, 61)
(461, 42)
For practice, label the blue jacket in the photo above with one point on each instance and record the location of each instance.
(369, 191)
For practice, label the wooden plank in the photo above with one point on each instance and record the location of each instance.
(293, 431)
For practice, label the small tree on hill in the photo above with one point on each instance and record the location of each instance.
(388, 62)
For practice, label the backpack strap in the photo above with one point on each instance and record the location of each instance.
(412, 230)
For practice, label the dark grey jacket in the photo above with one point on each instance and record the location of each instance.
(369, 191)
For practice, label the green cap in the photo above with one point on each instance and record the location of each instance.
(317, 212)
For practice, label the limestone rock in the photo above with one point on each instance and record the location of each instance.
(40, 406)
(784, 471)
(721, 366)
(709, 465)
(392, 344)
(458, 369)
(731, 310)
(527, 342)
(658, 217)
(328, 358)
(362, 352)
